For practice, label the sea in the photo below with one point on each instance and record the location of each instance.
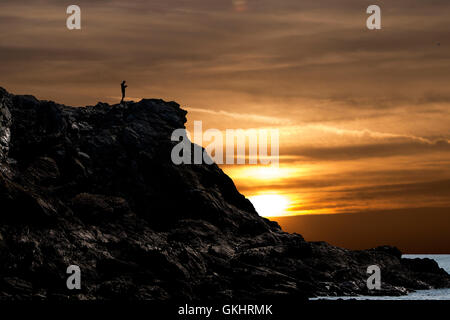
(435, 294)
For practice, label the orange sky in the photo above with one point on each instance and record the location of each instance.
(363, 115)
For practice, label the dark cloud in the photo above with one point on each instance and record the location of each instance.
(380, 150)
(438, 188)
(345, 182)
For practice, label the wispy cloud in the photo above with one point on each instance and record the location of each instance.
(244, 116)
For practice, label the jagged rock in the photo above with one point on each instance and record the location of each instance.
(92, 207)
(43, 171)
(393, 251)
(5, 124)
(423, 265)
(96, 187)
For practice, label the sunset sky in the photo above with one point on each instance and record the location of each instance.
(363, 115)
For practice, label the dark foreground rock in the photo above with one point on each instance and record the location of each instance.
(96, 187)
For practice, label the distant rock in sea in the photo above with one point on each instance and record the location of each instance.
(95, 187)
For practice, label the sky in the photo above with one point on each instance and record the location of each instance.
(363, 114)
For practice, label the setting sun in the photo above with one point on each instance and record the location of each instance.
(270, 205)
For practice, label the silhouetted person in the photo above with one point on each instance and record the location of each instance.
(123, 86)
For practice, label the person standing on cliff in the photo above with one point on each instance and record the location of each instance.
(123, 86)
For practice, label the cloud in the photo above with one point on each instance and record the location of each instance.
(245, 116)
(364, 151)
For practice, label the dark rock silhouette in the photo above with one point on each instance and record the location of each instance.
(96, 187)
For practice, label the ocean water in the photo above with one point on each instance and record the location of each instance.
(436, 294)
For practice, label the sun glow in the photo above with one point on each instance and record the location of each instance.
(263, 173)
(270, 205)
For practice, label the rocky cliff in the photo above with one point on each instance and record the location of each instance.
(95, 187)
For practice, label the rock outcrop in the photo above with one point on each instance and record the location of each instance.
(95, 187)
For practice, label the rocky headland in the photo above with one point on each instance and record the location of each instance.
(95, 187)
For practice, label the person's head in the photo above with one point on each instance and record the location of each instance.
(123, 81)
